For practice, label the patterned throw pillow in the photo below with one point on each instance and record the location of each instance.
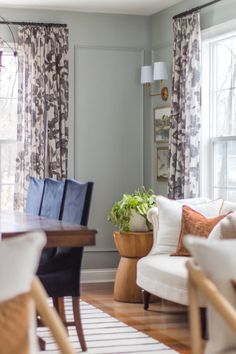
(195, 224)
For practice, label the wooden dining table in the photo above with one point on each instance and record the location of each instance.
(59, 233)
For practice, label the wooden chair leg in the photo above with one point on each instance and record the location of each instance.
(203, 316)
(58, 303)
(42, 344)
(55, 303)
(78, 323)
(50, 317)
(146, 299)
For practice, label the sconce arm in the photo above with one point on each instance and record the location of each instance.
(164, 91)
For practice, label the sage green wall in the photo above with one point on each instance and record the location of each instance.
(107, 114)
(162, 40)
(111, 123)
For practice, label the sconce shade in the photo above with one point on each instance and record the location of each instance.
(160, 71)
(146, 74)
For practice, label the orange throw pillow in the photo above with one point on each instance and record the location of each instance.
(195, 224)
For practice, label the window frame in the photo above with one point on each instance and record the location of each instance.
(214, 141)
(8, 141)
(208, 139)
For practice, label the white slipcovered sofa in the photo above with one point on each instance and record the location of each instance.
(161, 274)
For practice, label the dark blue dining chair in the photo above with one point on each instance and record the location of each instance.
(61, 275)
(52, 198)
(51, 208)
(76, 202)
(34, 196)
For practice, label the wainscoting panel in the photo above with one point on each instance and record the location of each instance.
(108, 134)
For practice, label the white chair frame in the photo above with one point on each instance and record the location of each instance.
(198, 281)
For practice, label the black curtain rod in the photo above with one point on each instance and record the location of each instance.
(41, 24)
(198, 8)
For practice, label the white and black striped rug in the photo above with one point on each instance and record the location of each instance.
(105, 335)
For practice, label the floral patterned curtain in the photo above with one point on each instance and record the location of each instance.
(186, 108)
(42, 126)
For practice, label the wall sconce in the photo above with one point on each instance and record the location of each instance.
(157, 73)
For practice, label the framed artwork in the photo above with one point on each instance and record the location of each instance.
(161, 124)
(162, 163)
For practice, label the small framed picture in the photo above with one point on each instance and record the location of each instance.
(162, 163)
(161, 124)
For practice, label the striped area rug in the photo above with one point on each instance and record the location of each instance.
(105, 335)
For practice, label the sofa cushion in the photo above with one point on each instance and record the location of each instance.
(215, 233)
(227, 207)
(166, 235)
(194, 201)
(225, 229)
(195, 224)
(228, 227)
(164, 276)
(212, 256)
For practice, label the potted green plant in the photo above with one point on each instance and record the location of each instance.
(130, 213)
(133, 240)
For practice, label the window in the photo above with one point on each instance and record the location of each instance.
(218, 157)
(8, 124)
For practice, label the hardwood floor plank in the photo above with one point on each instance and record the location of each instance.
(164, 321)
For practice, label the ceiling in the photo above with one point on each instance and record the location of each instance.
(129, 7)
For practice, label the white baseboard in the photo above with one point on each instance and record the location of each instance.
(97, 275)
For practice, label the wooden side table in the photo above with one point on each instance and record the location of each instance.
(132, 246)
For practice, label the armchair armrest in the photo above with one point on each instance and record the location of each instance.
(152, 216)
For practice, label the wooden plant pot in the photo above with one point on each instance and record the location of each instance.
(131, 246)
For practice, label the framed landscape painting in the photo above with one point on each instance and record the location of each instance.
(162, 163)
(161, 124)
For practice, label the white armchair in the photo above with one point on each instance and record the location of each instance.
(213, 277)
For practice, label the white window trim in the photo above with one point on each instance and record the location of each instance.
(206, 151)
(7, 51)
(219, 30)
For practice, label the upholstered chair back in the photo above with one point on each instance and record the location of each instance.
(34, 196)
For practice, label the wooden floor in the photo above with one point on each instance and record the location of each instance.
(163, 321)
